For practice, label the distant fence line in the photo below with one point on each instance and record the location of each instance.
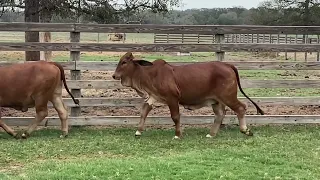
(219, 46)
(241, 38)
(236, 38)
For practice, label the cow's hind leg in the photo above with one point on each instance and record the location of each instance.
(8, 129)
(220, 112)
(146, 108)
(240, 109)
(175, 115)
(62, 112)
(41, 113)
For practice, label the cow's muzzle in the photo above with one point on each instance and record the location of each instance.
(114, 76)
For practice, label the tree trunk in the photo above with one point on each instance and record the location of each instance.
(306, 14)
(32, 15)
(45, 17)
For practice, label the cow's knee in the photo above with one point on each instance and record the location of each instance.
(175, 117)
(41, 114)
(63, 114)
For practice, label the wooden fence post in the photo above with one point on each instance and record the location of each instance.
(220, 39)
(318, 51)
(286, 53)
(75, 74)
(295, 42)
(305, 39)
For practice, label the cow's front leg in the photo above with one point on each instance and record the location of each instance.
(220, 112)
(175, 115)
(8, 129)
(146, 108)
(41, 113)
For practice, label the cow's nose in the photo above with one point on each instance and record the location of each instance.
(113, 76)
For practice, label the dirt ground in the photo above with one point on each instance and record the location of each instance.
(162, 110)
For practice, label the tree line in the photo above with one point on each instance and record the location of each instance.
(270, 12)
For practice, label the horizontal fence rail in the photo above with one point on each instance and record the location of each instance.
(245, 83)
(241, 65)
(229, 47)
(137, 102)
(163, 29)
(166, 120)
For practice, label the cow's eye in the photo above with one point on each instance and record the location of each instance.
(123, 62)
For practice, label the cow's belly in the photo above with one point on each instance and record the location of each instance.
(198, 104)
(17, 104)
(154, 100)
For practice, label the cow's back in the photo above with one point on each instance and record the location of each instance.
(19, 82)
(199, 80)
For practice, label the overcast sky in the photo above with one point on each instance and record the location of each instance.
(189, 4)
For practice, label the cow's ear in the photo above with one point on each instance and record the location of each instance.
(143, 62)
(128, 56)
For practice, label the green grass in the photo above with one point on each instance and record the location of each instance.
(278, 152)
(195, 57)
(85, 37)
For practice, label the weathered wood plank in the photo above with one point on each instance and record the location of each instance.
(113, 47)
(245, 83)
(241, 65)
(49, 27)
(165, 120)
(197, 29)
(180, 35)
(255, 47)
(75, 74)
(65, 65)
(195, 41)
(157, 28)
(219, 38)
(133, 102)
(180, 47)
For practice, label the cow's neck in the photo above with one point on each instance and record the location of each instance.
(141, 81)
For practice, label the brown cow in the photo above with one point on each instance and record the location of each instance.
(192, 86)
(30, 85)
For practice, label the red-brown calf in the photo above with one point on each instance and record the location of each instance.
(192, 86)
(34, 84)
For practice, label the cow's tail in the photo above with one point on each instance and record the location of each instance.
(63, 78)
(259, 110)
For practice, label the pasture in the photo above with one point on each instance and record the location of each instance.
(274, 152)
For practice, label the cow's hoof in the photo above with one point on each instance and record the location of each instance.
(24, 135)
(176, 137)
(247, 132)
(63, 136)
(137, 134)
(209, 136)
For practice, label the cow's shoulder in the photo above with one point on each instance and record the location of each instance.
(165, 80)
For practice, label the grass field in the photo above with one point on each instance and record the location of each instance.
(274, 152)
(278, 152)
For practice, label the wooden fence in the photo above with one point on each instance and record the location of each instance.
(75, 65)
(241, 38)
(236, 38)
